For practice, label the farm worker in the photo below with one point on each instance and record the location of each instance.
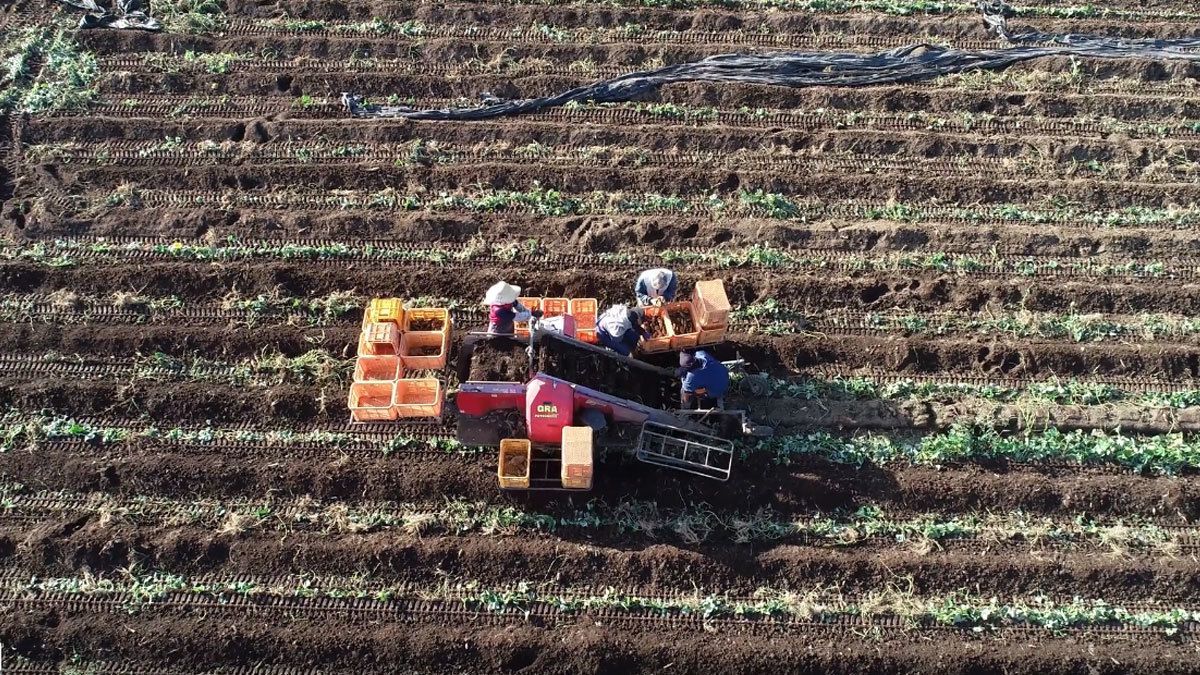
(705, 380)
(620, 328)
(656, 286)
(504, 309)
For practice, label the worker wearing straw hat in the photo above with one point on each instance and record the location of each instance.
(504, 309)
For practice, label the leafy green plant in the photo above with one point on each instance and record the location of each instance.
(1166, 454)
(65, 77)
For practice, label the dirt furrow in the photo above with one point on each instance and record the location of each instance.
(1128, 106)
(624, 232)
(225, 472)
(101, 182)
(868, 291)
(476, 645)
(666, 137)
(626, 561)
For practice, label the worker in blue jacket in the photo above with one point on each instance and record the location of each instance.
(656, 286)
(705, 380)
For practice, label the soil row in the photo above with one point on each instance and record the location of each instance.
(197, 402)
(67, 548)
(617, 233)
(200, 283)
(917, 355)
(181, 640)
(668, 136)
(275, 81)
(965, 25)
(100, 182)
(438, 144)
(184, 472)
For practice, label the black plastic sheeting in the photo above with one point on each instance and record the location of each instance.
(830, 69)
(128, 14)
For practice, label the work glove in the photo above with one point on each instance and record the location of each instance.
(657, 302)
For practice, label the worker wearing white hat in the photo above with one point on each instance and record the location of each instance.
(504, 309)
(656, 286)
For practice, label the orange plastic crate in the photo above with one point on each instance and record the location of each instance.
(658, 344)
(577, 458)
(378, 369)
(412, 342)
(372, 401)
(584, 310)
(379, 339)
(436, 314)
(681, 340)
(711, 336)
(417, 398)
(381, 310)
(514, 450)
(710, 303)
(555, 306)
(521, 328)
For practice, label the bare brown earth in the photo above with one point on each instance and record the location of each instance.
(1095, 137)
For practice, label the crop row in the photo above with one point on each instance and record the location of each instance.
(1077, 79)
(694, 524)
(318, 366)
(765, 317)
(809, 120)
(20, 429)
(71, 252)
(71, 307)
(818, 119)
(1051, 391)
(1165, 454)
(887, 7)
(64, 308)
(772, 319)
(821, 605)
(746, 203)
(174, 150)
(265, 369)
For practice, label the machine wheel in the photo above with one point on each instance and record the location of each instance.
(755, 385)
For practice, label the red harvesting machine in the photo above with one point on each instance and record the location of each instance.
(575, 393)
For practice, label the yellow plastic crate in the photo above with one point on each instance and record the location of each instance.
(380, 310)
(513, 453)
(427, 320)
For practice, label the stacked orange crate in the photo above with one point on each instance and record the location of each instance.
(584, 311)
(681, 339)
(417, 398)
(426, 338)
(521, 328)
(660, 343)
(711, 310)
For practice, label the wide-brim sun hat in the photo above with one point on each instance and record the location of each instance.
(501, 293)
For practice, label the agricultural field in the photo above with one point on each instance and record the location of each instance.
(975, 297)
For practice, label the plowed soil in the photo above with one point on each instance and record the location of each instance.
(1069, 184)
